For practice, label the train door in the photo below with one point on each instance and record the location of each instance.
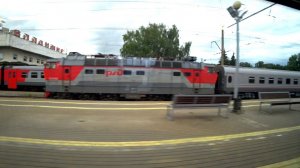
(66, 78)
(12, 79)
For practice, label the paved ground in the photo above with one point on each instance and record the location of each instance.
(36, 132)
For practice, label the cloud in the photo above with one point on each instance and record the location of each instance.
(91, 27)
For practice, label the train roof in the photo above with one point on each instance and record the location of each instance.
(258, 71)
(128, 61)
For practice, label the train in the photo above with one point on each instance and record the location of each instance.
(80, 77)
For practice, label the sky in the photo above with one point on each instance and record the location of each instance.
(98, 26)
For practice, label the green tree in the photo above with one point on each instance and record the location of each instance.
(154, 41)
(232, 60)
(294, 62)
(259, 64)
(245, 64)
(226, 60)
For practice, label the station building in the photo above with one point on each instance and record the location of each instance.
(21, 49)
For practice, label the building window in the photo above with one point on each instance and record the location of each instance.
(34, 74)
(176, 74)
(30, 59)
(261, 80)
(140, 72)
(42, 61)
(24, 75)
(288, 81)
(15, 56)
(251, 79)
(100, 71)
(25, 58)
(295, 81)
(38, 61)
(89, 71)
(271, 80)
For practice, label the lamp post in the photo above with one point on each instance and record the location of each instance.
(235, 13)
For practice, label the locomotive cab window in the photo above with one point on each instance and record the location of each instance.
(251, 79)
(89, 71)
(34, 75)
(24, 75)
(67, 71)
(176, 74)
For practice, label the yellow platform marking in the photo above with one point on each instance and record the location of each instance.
(293, 163)
(85, 103)
(85, 108)
(145, 143)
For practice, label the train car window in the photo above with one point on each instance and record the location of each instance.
(288, 81)
(261, 80)
(295, 81)
(140, 72)
(176, 74)
(24, 75)
(34, 75)
(42, 75)
(271, 80)
(177, 65)
(166, 64)
(197, 74)
(187, 74)
(279, 81)
(127, 72)
(100, 71)
(89, 71)
(229, 79)
(251, 79)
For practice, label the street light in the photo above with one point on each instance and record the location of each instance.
(235, 13)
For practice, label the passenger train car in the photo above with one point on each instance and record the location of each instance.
(22, 78)
(129, 77)
(254, 80)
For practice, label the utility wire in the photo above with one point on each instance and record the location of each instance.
(253, 14)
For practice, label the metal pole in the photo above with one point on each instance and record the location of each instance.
(237, 101)
(222, 45)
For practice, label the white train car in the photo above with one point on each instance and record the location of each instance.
(254, 80)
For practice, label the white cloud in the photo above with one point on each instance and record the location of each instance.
(97, 26)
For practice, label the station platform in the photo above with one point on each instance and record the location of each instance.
(39, 132)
